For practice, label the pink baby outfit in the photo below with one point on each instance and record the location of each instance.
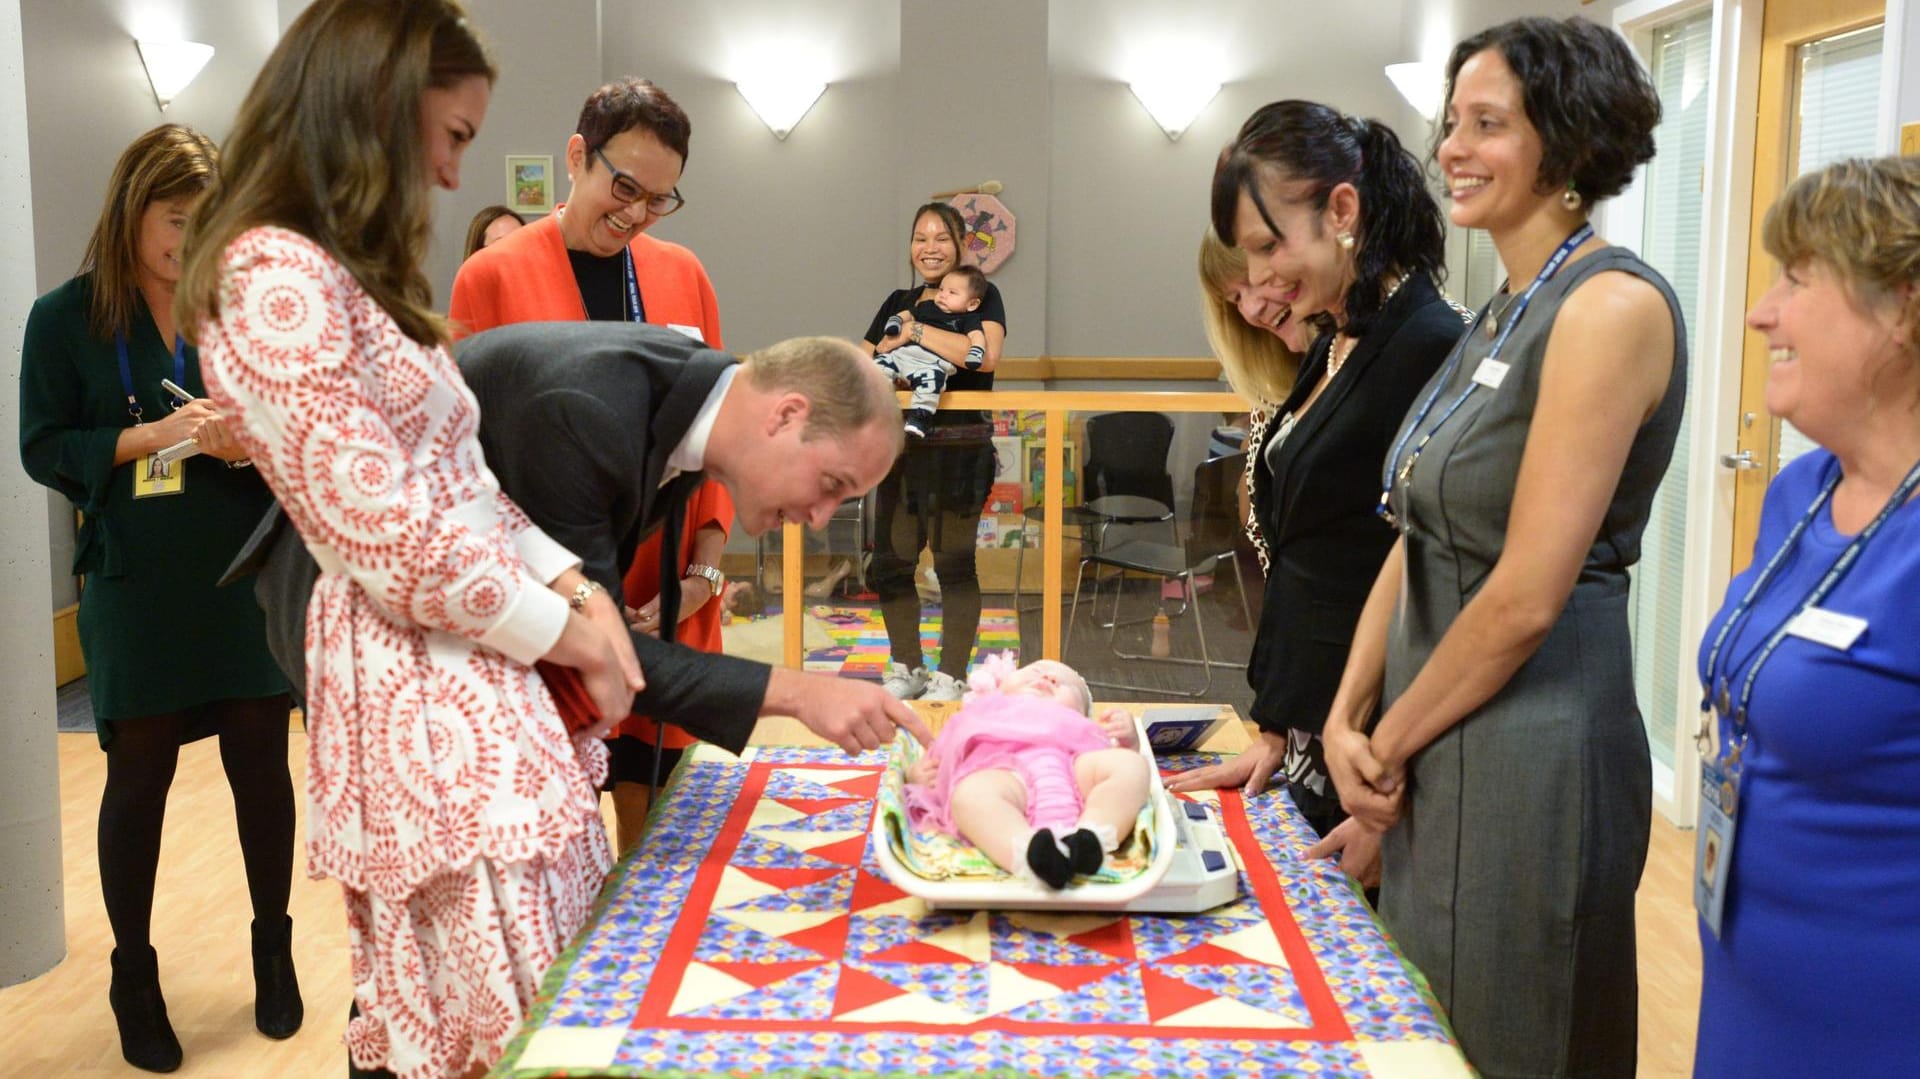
(1032, 737)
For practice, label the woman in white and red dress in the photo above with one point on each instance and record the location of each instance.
(444, 792)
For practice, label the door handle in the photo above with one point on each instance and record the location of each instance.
(1739, 462)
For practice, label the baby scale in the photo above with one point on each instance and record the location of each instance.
(1192, 871)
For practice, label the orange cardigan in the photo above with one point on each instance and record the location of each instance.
(526, 277)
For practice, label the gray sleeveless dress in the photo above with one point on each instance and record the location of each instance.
(1510, 881)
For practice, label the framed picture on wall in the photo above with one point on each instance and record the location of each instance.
(530, 183)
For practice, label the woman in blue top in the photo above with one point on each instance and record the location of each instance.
(1818, 948)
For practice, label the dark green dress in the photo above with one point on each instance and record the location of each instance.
(157, 633)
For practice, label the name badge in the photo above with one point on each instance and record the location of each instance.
(152, 476)
(690, 331)
(1713, 845)
(1490, 373)
(1831, 628)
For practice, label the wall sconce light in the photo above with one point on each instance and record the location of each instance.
(1174, 99)
(171, 65)
(780, 100)
(1421, 83)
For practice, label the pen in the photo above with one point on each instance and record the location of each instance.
(179, 394)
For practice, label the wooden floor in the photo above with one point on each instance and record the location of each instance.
(59, 1024)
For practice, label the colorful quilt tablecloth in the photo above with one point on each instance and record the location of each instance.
(753, 934)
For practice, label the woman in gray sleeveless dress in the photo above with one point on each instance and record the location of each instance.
(1510, 751)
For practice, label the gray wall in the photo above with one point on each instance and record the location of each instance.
(32, 904)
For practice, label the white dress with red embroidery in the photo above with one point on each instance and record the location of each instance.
(444, 792)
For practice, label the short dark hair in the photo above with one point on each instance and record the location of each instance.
(1400, 226)
(629, 104)
(975, 278)
(1593, 104)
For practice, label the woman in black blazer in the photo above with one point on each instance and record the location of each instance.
(1335, 216)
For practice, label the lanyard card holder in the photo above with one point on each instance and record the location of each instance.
(1713, 842)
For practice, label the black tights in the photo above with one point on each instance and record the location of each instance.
(140, 762)
(932, 499)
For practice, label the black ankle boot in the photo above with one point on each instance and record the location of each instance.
(277, 1009)
(146, 1037)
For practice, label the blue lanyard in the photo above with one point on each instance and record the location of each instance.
(1736, 711)
(635, 312)
(1554, 262)
(126, 371)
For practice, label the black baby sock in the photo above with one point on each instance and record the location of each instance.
(1047, 860)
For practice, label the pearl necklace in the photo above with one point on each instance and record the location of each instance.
(1337, 356)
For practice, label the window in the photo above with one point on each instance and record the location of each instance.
(1838, 116)
(1671, 231)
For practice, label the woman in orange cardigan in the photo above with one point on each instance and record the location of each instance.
(592, 260)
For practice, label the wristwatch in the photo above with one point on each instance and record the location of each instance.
(714, 578)
(583, 592)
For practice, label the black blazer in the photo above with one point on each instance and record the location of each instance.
(1315, 503)
(577, 420)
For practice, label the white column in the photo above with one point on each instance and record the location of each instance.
(32, 912)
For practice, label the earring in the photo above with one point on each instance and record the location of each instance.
(1570, 198)
(1346, 241)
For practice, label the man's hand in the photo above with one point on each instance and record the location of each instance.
(851, 714)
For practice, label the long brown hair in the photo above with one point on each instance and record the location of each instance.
(482, 221)
(169, 162)
(327, 143)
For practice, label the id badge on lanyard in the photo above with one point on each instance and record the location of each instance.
(1713, 839)
(151, 475)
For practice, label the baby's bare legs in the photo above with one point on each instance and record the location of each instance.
(989, 808)
(1113, 786)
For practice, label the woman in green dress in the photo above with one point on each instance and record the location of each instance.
(171, 655)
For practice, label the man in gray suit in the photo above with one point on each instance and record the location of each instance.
(600, 431)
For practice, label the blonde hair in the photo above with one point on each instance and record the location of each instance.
(1259, 366)
(847, 392)
(1861, 219)
(328, 144)
(170, 162)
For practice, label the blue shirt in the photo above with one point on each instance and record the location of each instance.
(1819, 953)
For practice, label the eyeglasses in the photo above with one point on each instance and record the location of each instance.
(627, 189)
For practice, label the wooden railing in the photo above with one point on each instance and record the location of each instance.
(1055, 407)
